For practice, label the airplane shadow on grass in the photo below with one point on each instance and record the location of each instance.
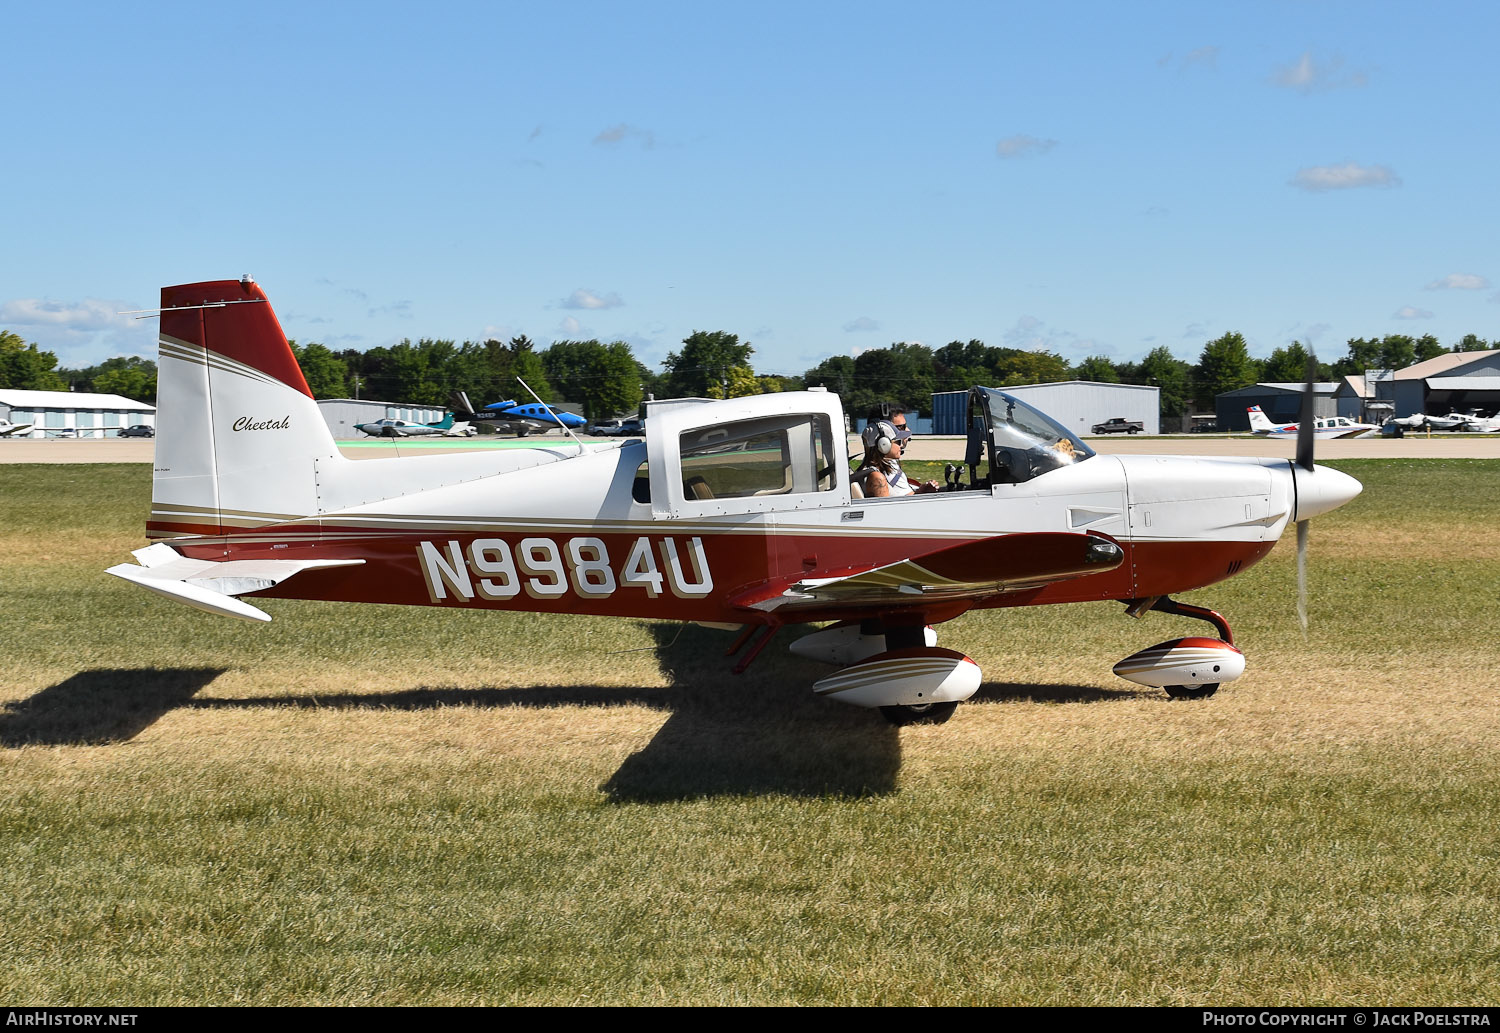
(96, 708)
(759, 733)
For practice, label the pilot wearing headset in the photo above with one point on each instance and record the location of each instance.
(881, 470)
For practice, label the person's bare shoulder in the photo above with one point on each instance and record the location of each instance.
(876, 486)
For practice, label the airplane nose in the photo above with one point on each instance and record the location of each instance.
(1322, 490)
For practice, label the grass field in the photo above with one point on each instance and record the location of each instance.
(375, 805)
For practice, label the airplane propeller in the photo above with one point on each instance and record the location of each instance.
(1305, 439)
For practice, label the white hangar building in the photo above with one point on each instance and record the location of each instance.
(83, 414)
(1076, 404)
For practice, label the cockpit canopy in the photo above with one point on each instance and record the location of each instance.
(1021, 442)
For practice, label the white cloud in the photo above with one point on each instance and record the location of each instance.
(1021, 145)
(1206, 57)
(1459, 282)
(1348, 176)
(1408, 312)
(570, 327)
(863, 324)
(1309, 76)
(622, 132)
(1199, 57)
(81, 333)
(398, 309)
(587, 299)
(1031, 334)
(353, 292)
(87, 316)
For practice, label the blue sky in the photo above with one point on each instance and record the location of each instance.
(819, 178)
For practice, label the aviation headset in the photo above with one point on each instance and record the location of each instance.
(880, 435)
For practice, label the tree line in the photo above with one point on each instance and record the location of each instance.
(607, 379)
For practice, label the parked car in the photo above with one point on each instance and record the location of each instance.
(633, 429)
(606, 428)
(1117, 424)
(139, 430)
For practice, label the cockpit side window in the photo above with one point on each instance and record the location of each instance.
(769, 456)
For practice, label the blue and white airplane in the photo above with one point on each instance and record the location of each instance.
(520, 417)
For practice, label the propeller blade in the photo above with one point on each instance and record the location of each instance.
(1302, 574)
(1306, 418)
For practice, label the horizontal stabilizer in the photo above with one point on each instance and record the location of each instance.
(212, 584)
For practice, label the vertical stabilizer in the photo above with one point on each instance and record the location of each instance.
(238, 433)
(1259, 422)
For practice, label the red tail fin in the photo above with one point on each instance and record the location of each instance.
(234, 319)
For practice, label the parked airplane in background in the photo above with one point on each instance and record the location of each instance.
(520, 418)
(1329, 427)
(407, 429)
(7, 429)
(731, 513)
(1455, 421)
(1476, 424)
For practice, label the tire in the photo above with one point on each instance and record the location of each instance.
(919, 714)
(1192, 691)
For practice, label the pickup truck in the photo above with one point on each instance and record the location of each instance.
(1117, 424)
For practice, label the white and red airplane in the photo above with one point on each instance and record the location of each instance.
(1323, 427)
(736, 513)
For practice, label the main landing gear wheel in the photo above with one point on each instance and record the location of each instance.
(921, 713)
(1192, 691)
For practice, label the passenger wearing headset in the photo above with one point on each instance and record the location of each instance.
(881, 470)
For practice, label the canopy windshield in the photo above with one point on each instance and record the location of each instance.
(1023, 441)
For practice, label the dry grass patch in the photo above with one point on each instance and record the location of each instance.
(369, 805)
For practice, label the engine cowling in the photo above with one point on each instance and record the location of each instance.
(1183, 661)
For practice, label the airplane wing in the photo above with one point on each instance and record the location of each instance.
(993, 566)
(212, 584)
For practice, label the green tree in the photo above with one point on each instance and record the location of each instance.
(1170, 376)
(739, 382)
(127, 375)
(1428, 347)
(1014, 367)
(706, 358)
(1224, 365)
(1286, 365)
(526, 365)
(602, 378)
(1363, 354)
(1097, 368)
(1397, 351)
(1472, 343)
(25, 367)
(326, 374)
(836, 373)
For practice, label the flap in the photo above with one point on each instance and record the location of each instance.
(994, 566)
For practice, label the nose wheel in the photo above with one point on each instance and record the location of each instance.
(920, 713)
(1191, 691)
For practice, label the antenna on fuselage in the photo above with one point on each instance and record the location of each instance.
(553, 411)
